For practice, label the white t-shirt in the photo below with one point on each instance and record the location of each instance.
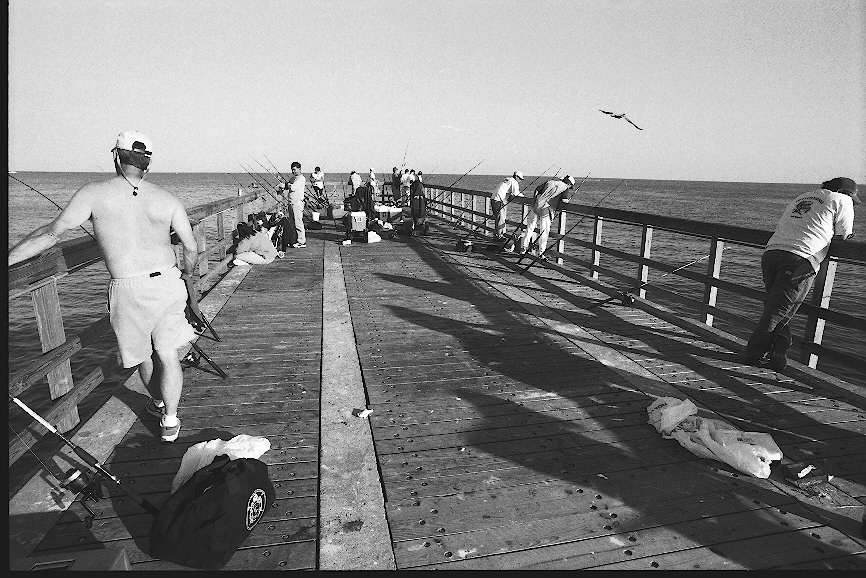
(507, 189)
(296, 187)
(318, 180)
(548, 194)
(809, 222)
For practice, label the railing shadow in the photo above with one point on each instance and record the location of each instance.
(527, 451)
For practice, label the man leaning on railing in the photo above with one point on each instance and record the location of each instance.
(791, 260)
(147, 295)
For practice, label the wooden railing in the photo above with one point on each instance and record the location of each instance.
(38, 278)
(471, 210)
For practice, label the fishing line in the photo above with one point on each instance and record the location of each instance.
(47, 469)
(238, 182)
(442, 194)
(540, 255)
(52, 202)
(405, 152)
(628, 299)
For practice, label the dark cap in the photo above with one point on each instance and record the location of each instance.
(842, 185)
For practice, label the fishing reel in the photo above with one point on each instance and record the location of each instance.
(627, 299)
(78, 481)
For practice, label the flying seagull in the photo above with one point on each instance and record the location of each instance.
(621, 115)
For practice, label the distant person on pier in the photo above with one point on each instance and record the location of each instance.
(254, 245)
(418, 206)
(405, 181)
(547, 195)
(373, 185)
(295, 187)
(147, 295)
(791, 261)
(354, 182)
(317, 181)
(504, 193)
(395, 186)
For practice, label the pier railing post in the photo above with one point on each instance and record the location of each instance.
(560, 231)
(487, 211)
(595, 254)
(49, 320)
(451, 208)
(221, 234)
(646, 241)
(714, 267)
(820, 298)
(201, 247)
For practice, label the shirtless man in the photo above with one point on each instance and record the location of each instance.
(147, 294)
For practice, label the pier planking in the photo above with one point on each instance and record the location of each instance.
(509, 427)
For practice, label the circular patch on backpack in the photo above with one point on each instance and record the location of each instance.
(256, 507)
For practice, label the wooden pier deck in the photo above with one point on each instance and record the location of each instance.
(509, 424)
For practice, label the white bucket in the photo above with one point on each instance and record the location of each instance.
(314, 215)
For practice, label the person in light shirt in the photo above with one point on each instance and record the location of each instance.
(317, 182)
(504, 193)
(791, 261)
(296, 185)
(547, 195)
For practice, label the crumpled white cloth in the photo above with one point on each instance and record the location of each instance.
(203, 454)
(749, 452)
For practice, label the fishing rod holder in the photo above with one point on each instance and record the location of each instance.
(80, 482)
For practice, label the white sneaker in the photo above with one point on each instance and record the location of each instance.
(240, 263)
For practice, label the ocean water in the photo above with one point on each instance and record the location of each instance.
(755, 205)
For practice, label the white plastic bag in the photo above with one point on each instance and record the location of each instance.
(749, 452)
(666, 413)
(203, 453)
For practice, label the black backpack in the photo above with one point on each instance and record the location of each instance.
(206, 520)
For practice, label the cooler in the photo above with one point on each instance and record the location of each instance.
(357, 221)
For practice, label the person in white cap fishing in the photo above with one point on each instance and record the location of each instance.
(504, 193)
(373, 185)
(147, 296)
(791, 261)
(547, 195)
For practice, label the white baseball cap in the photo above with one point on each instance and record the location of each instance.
(518, 175)
(132, 140)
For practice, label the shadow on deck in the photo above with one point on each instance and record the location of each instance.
(509, 425)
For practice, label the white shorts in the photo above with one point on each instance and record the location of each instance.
(148, 314)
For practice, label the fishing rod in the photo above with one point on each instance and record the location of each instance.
(519, 228)
(442, 194)
(78, 481)
(238, 182)
(528, 187)
(405, 152)
(540, 255)
(629, 299)
(259, 182)
(50, 201)
(267, 170)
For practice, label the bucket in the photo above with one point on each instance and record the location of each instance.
(314, 215)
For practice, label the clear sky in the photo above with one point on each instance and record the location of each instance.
(728, 90)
